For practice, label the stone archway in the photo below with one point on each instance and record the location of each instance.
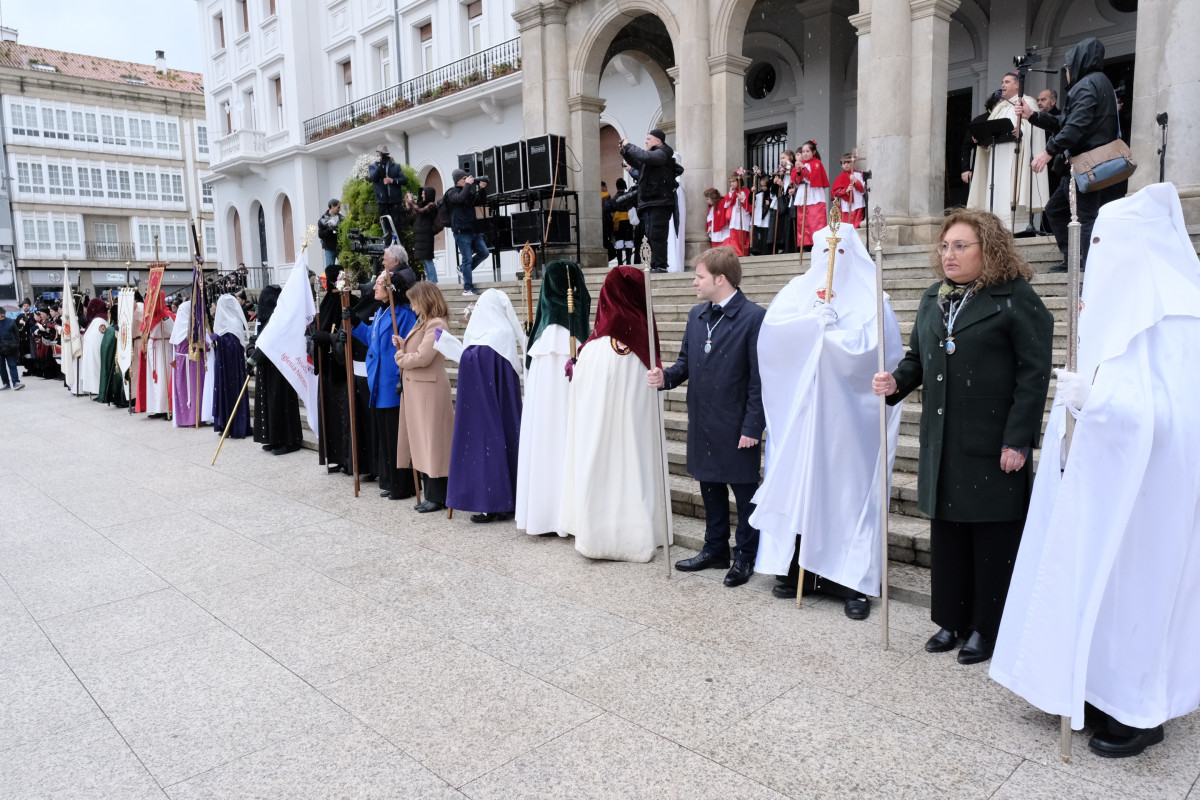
(286, 229)
(234, 225)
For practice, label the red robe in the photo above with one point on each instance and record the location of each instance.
(813, 216)
(844, 189)
(736, 213)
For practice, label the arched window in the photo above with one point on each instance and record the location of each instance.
(289, 240)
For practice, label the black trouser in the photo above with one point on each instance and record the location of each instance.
(397, 481)
(656, 220)
(392, 210)
(814, 583)
(716, 520)
(1058, 213)
(434, 489)
(971, 564)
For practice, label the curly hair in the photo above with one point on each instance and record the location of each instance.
(1001, 262)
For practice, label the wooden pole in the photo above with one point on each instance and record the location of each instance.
(879, 230)
(320, 407)
(345, 293)
(803, 227)
(659, 414)
(232, 413)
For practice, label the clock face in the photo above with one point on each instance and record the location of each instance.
(761, 80)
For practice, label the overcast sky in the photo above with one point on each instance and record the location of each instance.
(129, 30)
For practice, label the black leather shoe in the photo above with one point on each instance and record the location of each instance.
(385, 493)
(976, 650)
(858, 608)
(283, 451)
(332, 468)
(367, 477)
(784, 591)
(429, 506)
(1059, 267)
(739, 573)
(1112, 745)
(484, 518)
(942, 642)
(702, 561)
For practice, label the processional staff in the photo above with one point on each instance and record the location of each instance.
(652, 346)
(879, 232)
(343, 289)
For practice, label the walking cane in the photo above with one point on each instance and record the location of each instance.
(229, 422)
(658, 420)
(879, 231)
(344, 291)
(1073, 288)
(803, 227)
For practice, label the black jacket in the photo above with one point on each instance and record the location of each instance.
(656, 174)
(327, 230)
(422, 225)
(387, 192)
(462, 201)
(1090, 117)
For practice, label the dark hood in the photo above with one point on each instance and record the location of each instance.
(267, 299)
(428, 195)
(1084, 58)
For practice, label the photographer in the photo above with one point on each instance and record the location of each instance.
(389, 181)
(655, 171)
(462, 198)
(1089, 121)
(327, 230)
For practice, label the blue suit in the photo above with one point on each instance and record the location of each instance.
(382, 372)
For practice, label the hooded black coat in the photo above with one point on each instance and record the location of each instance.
(422, 225)
(1090, 117)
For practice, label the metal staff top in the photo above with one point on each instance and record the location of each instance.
(528, 259)
(835, 222)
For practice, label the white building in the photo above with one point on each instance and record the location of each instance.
(99, 157)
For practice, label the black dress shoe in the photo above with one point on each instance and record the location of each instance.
(385, 493)
(267, 447)
(858, 608)
(368, 477)
(942, 642)
(702, 561)
(484, 518)
(784, 591)
(1114, 745)
(739, 573)
(332, 468)
(1059, 267)
(283, 451)
(976, 650)
(429, 506)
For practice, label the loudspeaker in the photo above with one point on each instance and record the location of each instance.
(488, 160)
(528, 226)
(545, 162)
(469, 163)
(497, 231)
(511, 177)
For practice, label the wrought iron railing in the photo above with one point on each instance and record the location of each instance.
(110, 251)
(481, 67)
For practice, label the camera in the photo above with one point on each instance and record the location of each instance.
(1030, 57)
(369, 246)
(1161, 119)
(482, 179)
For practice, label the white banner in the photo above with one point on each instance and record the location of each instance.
(125, 332)
(283, 342)
(72, 337)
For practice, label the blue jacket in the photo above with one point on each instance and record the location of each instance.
(382, 372)
(724, 395)
(387, 192)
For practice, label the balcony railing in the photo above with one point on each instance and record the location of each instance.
(484, 66)
(241, 143)
(110, 251)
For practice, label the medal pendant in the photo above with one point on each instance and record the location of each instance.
(950, 347)
(708, 346)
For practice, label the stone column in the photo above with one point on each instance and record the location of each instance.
(533, 98)
(728, 119)
(693, 115)
(927, 156)
(862, 26)
(584, 137)
(1007, 33)
(1167, 79)
(828, 38)
(554, 66)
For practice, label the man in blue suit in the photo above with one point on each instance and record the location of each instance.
(382, 373)
(719, 360)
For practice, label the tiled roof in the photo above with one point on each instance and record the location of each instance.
(22, 56)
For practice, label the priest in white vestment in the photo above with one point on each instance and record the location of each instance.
(613, 494)
(540, 453)
(822, 469)
(1104, 604)
(1012, 163)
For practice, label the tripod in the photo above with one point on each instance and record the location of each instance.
(1162, 151)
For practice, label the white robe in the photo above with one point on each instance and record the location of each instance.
(1033, 141)
(613, 494)
(822, 476)
(543, 433)
(160, 355)
(89, 363)
(676, 260)
(1103, 606)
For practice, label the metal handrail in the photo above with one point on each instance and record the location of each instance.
(110, 251)
(481, 67)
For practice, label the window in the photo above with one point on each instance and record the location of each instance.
(174, 192)
(91, 184)
(126, 189)
(426, 33)
(243, 16)
(49, 235)
(202, 140)
(173, 136)
(277, 87)
(206, 195)
(66, 236)
(141, 133)
(383, 62)
(269, 8)
(210, 243)
(37, 178)
(54, 123)
(25, 124)
(119, 130)
(249, 112)
(42, 67)
(23, 182)
(475, 25)
(172, 237)
(105, 239)
(36, 236)
(152, 187)
(68, 179)
(59, 180)
(139, 185)
(114, 189)
(83, 126)
(113, 130)
(219, 31)
(160, 134)
(347, 81)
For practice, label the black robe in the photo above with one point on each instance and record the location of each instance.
(276, 406)
(229, 374)
(330, 365)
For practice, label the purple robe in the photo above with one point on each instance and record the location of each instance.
(487, 428)
(188, 386)
(229, 375)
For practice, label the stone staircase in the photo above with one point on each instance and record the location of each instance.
(906, 277)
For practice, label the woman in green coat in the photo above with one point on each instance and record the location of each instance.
(980, 351)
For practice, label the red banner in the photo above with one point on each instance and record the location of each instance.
(155, 302)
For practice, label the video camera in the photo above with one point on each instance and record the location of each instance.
(370, 246)
(1028, 59)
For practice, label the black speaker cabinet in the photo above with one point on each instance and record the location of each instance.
(545, 159)
(488, 160)
(497, 233)
(469, 163)
(511, 170)
(528, 226)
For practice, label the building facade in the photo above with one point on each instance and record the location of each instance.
(101, 157)
(299, 89)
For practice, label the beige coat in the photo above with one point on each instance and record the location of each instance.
(426, 411)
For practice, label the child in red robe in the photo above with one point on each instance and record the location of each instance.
(812, 194)
(736, 207)
(717, 225)
(848, 190)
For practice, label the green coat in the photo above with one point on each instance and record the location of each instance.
(989, 394)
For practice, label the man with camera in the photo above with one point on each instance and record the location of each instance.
(655, 171)
(1089, 121)
(327, 230)
(389, 181)
(462, 198)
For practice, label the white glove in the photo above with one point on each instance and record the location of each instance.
(827, 315)
(1073, 389)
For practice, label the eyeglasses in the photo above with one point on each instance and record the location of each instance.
(956, 247)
